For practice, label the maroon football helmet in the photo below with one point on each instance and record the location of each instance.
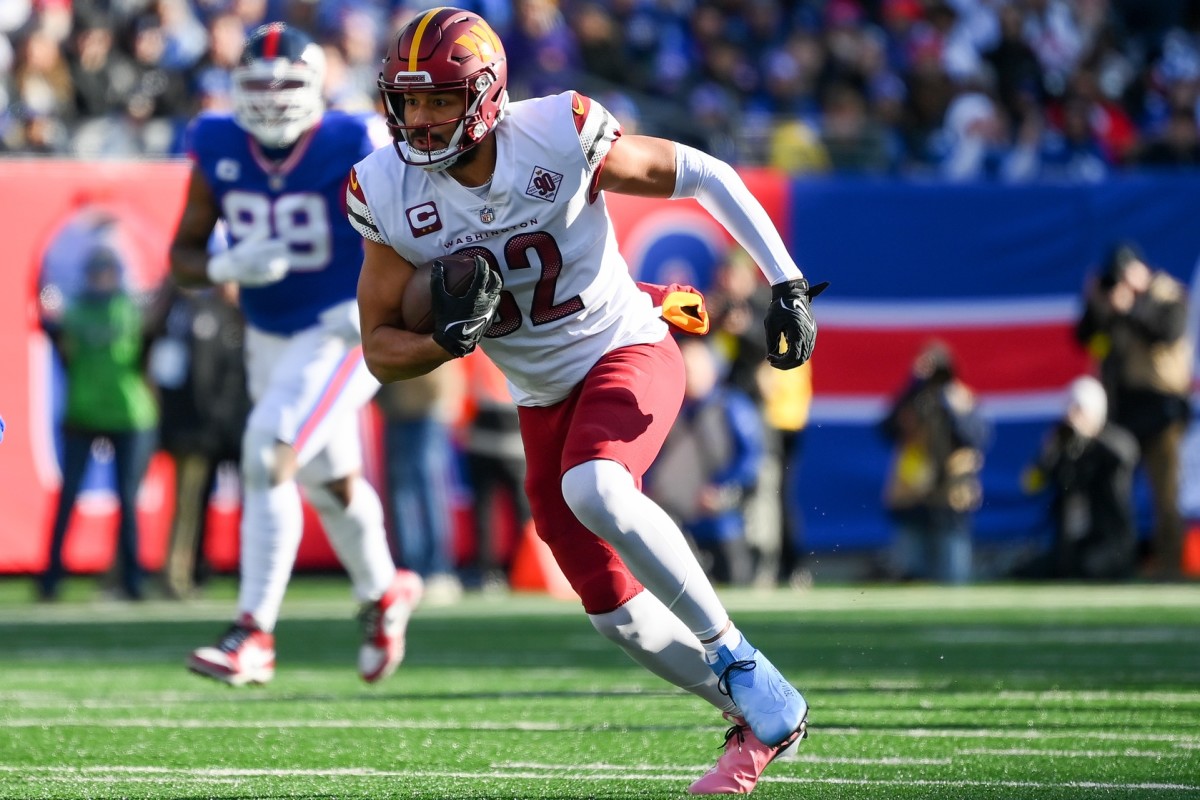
(444, 50)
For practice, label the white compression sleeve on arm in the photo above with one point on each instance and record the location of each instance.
(722, 193)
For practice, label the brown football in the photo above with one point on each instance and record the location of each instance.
(415, 307)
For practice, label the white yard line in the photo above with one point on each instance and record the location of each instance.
(41, 698)
(818, 600)
(120, 774)
(1036, 753)
(401, 724)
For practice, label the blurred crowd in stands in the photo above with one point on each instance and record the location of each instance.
(963, 89)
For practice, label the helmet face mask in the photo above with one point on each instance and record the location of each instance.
(278, 85)
(450, 51)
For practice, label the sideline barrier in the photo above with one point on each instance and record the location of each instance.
(995, 271)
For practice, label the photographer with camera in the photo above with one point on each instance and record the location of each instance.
(1134, 324)
(933, 487)
(1087, 465)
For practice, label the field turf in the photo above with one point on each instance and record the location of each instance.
(1004, 692)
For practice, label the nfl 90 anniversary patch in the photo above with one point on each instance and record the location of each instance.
(543, 184)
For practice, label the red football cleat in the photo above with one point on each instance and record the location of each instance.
(244, 654)
(384, 624)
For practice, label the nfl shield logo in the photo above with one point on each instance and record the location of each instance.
(487, 215)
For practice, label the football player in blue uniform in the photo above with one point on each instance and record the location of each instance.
(275, 171)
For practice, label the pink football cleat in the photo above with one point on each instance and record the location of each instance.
(384, 624)
(244, 654)
(745, 757)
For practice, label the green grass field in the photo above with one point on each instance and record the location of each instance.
(1046, 692)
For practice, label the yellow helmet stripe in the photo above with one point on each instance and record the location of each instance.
(416, 40)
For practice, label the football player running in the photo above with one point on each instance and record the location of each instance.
(596, 376)
(275, 171)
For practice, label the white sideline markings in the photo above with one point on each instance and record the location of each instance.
(1024, 733)
(1092, 695)
(822, 599)
(1061, 636)
(1031, 751)
(1182, 740)
(116, 774)
(33, 699)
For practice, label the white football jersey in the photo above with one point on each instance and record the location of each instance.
(568, 296)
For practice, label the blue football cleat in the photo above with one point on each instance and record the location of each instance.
(771, 706)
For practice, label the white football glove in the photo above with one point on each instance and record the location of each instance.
(254, 262)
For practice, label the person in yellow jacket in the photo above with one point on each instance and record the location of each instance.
(787, 400)
(775, 519)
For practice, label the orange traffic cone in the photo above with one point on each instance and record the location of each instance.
(1191, 552)
(535, 570)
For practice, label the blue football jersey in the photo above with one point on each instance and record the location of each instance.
(300, 200)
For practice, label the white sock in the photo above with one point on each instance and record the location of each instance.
(603, 497)
(658, 640)
(272, 522)
(729, 639)
(357, 535)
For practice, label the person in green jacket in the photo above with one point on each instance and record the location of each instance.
(100, 340)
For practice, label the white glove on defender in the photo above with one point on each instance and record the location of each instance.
(254, 262)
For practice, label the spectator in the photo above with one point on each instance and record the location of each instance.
(785, 399)
(102, 75)
(1110, 123)
(933, 486)
(774, 517)
(1178, 145)
(1016, 67)
(42, 78)
(738, 299)
(601, 45)
(764, 64)
(854, 141)
(420, 475)
(212, 76)
(38, 134)
(357, 41)
(185, 39)
(108, 400)
(974, 142)
(1087, 465)
(495, 463)
(709, 465)
(794, 148)
(163, 89)
(152, 110)
(544, 52)
(196, 362)
(1134, 323)
(1071, 149)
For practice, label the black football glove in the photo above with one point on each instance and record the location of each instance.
(791, 329)
(460, 322)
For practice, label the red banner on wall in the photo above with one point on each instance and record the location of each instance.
(43, 206)
(46, 207)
